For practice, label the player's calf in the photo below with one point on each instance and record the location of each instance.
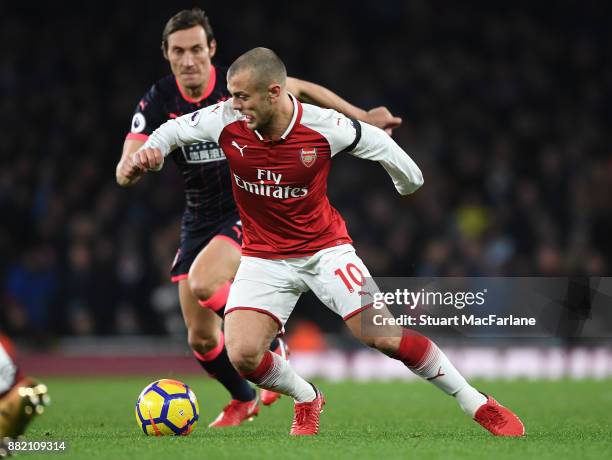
(386, 345)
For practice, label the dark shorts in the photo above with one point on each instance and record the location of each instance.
(193, 243)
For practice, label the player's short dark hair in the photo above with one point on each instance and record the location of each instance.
(186, 19)
(265, 66)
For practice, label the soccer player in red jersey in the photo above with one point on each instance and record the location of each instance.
(21, 398)
(211, 231)
(279, 152)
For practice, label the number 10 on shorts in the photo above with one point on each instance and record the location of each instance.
(355, 276)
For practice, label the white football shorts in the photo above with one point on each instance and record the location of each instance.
(336, 275)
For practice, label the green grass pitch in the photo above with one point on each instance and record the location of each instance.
(564, 419)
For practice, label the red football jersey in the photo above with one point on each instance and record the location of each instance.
(280, 187)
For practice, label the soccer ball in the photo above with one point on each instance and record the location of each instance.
(167, 407)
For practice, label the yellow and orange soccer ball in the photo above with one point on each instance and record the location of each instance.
(167, 407)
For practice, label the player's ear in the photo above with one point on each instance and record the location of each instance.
(212, 48)
(274, 91)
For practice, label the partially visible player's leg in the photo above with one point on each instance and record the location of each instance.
(248, 336)
(210, 278)
(342, 281)
(212, 270)
(208, 285)
(262, 298)
(423, 357)
(249, 333)
(279, 347)
(215, 263)
(208, 344)
(206, 340)
(21, 398)
(203, 298)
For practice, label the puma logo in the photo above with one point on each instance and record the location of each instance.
(235, 144)
(439, 374)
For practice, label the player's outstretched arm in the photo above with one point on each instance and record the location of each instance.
(373, 144)
(323, 97)
(204, 125)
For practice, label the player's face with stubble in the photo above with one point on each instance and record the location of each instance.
(189, 56)
(249, 100)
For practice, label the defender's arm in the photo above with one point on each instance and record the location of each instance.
(323, 97)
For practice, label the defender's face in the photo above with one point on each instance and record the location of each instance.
(249, 100)
(189, 56)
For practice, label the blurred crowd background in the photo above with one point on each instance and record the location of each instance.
(506, 109)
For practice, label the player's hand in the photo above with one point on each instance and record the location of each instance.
(128, 172)
(383, 119)
(148, 159)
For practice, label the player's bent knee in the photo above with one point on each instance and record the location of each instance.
(205, 289)
(388, 345)
(244, 359)
(201, 289)
(202, 342)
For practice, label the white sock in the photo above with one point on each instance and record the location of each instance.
(470, 399)
(279, 376)
(438, 370)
